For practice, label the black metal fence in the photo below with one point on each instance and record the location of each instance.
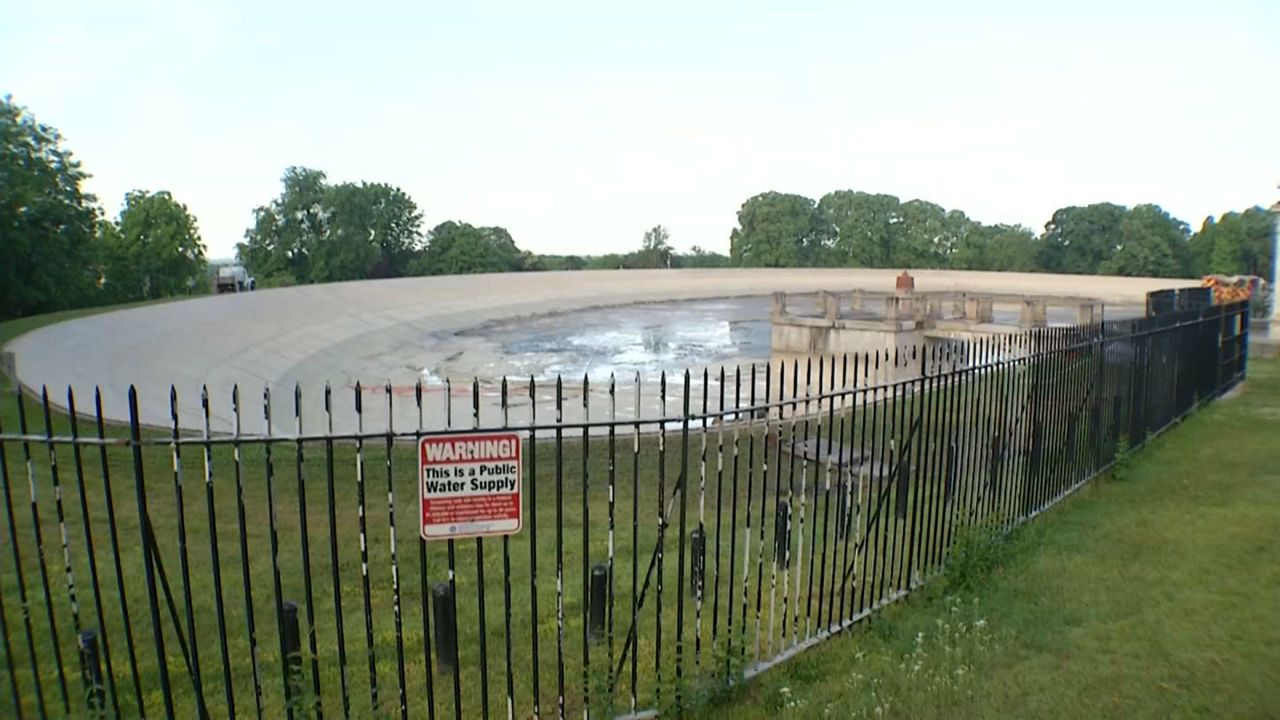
(182, 573)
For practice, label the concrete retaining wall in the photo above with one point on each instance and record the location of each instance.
(370, 331)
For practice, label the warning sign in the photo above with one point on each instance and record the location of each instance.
(469, 485)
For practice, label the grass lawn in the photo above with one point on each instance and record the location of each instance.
(1151, 593)
(562, 509)
(779, 616)
(264, 504)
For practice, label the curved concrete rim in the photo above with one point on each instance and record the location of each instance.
(367, 331)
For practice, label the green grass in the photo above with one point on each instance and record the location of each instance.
(655, 675)
(1152, 595)
(655, 669)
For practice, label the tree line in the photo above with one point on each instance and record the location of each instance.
(318, 232)
(847, 228)
(60, 250)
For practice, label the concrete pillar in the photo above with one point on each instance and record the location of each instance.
(978, 310)
(1087, 313)
(830, 305)
(919, 307)
(779, 304)
(1034, 313)
(856, 299)
(893, 309)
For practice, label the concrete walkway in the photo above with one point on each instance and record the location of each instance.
(373, 332)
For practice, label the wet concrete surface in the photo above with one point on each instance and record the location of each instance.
(646, 339)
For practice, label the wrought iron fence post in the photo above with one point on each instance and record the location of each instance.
(446, 628)
(91, 667)
(697, 561)
(291, 643)
(140, 491)
(599, 588)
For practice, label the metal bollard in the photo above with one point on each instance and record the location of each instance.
(904, 487)
(949, 489)
(849, 497)
(292, 653)
(446, 628)
(91, 667)
(840, 509)
(997, 460)
(781, 531)
(599, 589)
(852, 505)
(1117, 411)
(1037, 446)
(698, 560)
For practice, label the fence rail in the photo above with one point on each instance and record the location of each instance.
(761, 509)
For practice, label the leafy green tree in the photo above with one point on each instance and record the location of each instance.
(315, 232)
(341, 247)
(531, 262)
(655, 251)
(1237, 243)
(1012, 248)
(47, 222)
(866, 227)
(1152, 244)
(457, 248)
(956, 230)
(780, 230)
(928, 236)
(1202, 244)
(554, 262)
(881, 231)
(1081, 239)
(996, 247)
(609, 261)
(875, 230)
(278, 247)
(1236, 251)
(373, 230)
(152, 251)
(699, 258)
(1140, 259)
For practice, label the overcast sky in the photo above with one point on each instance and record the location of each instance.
(579, 125)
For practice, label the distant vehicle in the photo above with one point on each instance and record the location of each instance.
(232, 279)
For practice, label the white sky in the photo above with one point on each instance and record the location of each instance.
(579, 125)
